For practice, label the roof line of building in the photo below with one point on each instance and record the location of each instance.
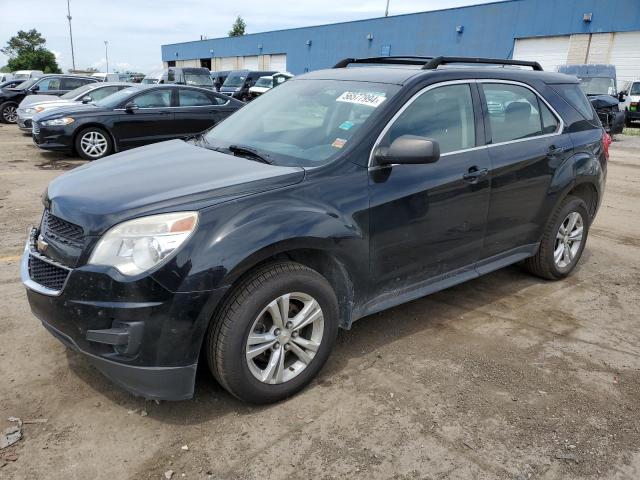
(347, 22)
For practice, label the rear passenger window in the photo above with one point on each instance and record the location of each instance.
(193, 98)
(575, 97)
(514, 112)
(71, 83)
(444, 114)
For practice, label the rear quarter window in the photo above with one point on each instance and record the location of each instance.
(574, 96)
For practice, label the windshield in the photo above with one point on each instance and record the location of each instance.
(635, 89)
(598, 85)
(303, 123)
(235, 80)
(27, 84)
(115, 99)
(264, 82)
(197, 79)
(77, 91)
(20, 76)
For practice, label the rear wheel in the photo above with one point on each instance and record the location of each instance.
(93, 143)
(9, 112)
(274, 333)
(562, 242)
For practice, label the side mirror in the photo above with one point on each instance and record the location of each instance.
(86, 99)
(409, 149)
(621, 96)
(35, 88)
(131, 107)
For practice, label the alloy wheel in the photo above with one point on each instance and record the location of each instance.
(94, 144)
(284, 338)
(568, 240)
(10, 114)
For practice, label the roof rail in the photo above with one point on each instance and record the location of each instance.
(398, 60)
(437, 61)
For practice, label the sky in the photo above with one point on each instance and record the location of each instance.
(135, 29)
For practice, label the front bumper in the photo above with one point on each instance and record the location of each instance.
(58, 139)
(24, 121)
(633, 114)
(141, 336)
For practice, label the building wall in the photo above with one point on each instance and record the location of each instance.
(488, 30)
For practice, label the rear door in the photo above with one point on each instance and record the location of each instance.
(198, 110)
(526, 145)
(70, 83)
(153, 120)
(428, 220)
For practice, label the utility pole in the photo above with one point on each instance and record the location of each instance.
(386, 11)
(73, 59)
(106, 54)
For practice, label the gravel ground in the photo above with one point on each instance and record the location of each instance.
(506, 376)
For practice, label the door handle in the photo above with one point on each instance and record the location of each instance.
(474, 174)
(553, 150)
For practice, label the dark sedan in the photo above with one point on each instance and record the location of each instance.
(131, 118)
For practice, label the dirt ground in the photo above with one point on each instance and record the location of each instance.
(506, 376)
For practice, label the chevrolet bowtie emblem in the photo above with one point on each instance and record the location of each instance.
(41, 244)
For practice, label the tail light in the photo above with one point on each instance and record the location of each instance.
(606, 141)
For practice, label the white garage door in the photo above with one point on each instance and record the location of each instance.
(625, 55)
(278, 62)
(251, 62)
(228, 63)
(548, 51)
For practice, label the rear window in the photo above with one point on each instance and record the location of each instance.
(575, 97)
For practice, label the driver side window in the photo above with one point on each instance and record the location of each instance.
(443, 114)
(154, 99)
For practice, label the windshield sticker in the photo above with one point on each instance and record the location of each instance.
(338, 143)
(369, 99)
(346, 125)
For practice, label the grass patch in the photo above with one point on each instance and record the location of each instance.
(631, 131)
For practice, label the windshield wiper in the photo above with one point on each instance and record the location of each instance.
(250, 152)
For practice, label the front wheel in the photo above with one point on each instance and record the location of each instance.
(9, 112)
(274, 333)
(93, 143)
(563, 241)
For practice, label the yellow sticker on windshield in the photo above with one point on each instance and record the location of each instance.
(370, 99)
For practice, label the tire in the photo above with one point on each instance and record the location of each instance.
(93, 143)
(246, 311)
(545, 263)
(9, 112)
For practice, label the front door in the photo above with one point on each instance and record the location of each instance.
(428, 220)
(198, 110)
(152, 121)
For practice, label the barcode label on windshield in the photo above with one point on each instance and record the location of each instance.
(362, 98)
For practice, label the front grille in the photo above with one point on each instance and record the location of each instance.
(62, 231)
(35, 128)
(47, 274)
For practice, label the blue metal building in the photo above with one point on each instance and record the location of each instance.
(553, 32)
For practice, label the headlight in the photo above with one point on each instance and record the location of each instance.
(135, 246)
(30, 110)
(58, 122)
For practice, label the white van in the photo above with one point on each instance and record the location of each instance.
(27, 74)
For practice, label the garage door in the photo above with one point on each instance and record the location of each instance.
(278, 62)
(549, 51)
(625, 55)
(251, 62)
(228, 63)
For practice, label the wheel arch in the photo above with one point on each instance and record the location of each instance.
(101, 126)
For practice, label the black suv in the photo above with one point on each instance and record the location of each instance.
(238, 83)
(339, 194)
(57, 85)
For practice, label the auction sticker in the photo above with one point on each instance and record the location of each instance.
(339, 143)
(370, 99)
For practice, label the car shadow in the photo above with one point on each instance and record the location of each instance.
(366, 336)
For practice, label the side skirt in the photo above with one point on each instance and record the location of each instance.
(446, 280)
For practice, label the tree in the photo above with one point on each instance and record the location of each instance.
(23, 42)
(26, 52)
(238, 27)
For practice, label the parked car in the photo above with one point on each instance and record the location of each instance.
(631, 98)
(112, 77)
(10, 83)
(599, 84)
(91, 92)
(132, 117)
(263, 84)
(195, 76)
(5, 77)
(339, 194)
(239, 82)
(152, 78)
(27, 74)
(218, 78)
(56, 85)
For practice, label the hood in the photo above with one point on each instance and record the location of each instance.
(72, 108)
(229, 89)
(603, 101)
(31, 99)
(159, 177)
